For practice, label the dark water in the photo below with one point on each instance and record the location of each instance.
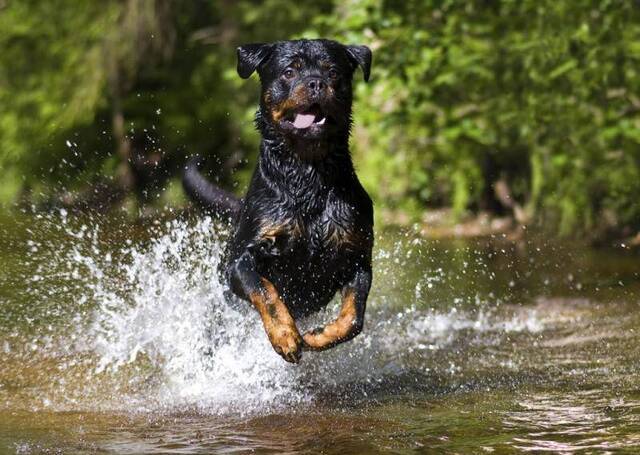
(115, 338)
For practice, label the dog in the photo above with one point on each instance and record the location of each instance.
(304, 230)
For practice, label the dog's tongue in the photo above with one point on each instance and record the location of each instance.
(303, 120)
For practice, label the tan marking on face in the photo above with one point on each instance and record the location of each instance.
(295, 100)
(338, 330)
(330, 91)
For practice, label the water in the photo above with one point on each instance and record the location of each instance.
(116, 337)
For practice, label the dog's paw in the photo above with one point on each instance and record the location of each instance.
(316, 340)
(287, 342)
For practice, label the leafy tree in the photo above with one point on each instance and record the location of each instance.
(529, 106)
(539, 94)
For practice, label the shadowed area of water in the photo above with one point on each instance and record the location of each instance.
(117, 337)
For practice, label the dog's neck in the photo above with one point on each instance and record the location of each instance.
(304, 170)
(282, 161)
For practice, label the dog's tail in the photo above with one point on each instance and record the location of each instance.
(206, 195)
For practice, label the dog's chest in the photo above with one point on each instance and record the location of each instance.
(330, 231)
(314, 232)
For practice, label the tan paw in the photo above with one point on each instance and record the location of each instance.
(316, 340)
(287, 342)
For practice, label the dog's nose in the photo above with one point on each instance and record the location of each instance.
(316, 85)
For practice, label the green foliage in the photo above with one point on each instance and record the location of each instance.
(50, 78)
(543, 94)
(540, 94)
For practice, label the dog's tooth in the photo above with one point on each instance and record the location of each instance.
(321, 122)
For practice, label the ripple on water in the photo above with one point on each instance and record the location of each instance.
(136, 340)
(574, 420)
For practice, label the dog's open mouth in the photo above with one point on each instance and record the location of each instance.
(307, 117)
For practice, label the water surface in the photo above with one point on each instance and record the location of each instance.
(116, 337)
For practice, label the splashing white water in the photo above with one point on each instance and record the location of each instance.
(164, 325)
(174, 313)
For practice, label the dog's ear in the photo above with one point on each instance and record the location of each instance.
(250, 56)
(360, 56)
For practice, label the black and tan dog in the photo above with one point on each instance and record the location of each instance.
(305, 227)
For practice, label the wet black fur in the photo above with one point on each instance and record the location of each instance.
(304, 183)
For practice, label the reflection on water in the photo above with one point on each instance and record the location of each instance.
(117, 337)
(586, 419)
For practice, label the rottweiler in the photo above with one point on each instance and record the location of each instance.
(304, 230)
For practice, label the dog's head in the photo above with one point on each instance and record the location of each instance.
(306, 84)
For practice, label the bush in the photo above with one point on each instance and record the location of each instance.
(541, 95)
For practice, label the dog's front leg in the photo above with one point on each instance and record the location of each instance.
(278, 322)
(349, 322)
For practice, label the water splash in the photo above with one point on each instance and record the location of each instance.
(154, 329)
(165, 307)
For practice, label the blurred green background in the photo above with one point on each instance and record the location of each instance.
(528, 109)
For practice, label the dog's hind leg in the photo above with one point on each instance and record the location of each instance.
(350, 321)
(278, 322)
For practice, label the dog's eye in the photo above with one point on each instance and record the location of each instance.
(289, 73)
(333, 74)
